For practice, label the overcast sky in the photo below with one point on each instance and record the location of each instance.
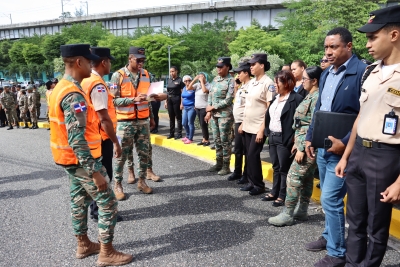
(35, 10)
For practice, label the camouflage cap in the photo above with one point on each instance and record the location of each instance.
(30, 87)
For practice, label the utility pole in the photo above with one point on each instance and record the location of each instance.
(169, 54)
(87, 7)
(10, 19)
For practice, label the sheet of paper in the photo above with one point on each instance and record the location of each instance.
(155, 88)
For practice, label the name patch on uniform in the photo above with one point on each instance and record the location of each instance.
(80, 107)
(393, 91)
(101, 89)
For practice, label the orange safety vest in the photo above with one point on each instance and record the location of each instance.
(133, 111)
(88, 85)
(62, 152)
(48, 93)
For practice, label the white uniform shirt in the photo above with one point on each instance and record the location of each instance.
(99, 96)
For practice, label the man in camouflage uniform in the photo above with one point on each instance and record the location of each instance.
(32, 106)
(23, 107)
(9, 105)
(37, 99)
(132, 131)
(219, 111)
(75, 137)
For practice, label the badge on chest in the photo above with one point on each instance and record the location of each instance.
(390, 123)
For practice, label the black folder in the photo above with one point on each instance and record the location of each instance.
(333, 124)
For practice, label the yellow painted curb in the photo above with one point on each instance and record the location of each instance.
(45, 125)
(206, 153)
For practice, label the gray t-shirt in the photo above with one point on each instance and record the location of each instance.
(200, 99)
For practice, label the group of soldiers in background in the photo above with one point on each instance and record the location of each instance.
(18, 103)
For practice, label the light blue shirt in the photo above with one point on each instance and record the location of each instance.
(296, 88)
(331, 84)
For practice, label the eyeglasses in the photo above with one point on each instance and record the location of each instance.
(323, 61)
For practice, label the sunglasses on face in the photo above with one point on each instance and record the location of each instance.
(140, 61)
(323, 61)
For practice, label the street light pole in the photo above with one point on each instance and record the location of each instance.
(87, 7)
(169, 54)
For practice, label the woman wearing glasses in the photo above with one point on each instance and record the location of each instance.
(324, 63)
(301, 172)
(189, 113)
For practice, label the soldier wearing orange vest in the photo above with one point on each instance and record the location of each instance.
(75, 143)
(130, 86)
(102, 101)
(50, 84)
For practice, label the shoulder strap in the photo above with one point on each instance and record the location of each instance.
(367, 73)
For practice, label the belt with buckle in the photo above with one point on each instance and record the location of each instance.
(372, 144)
(276, 133)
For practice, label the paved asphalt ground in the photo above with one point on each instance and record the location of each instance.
(192, 219)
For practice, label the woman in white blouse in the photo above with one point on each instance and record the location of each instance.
(260, 92)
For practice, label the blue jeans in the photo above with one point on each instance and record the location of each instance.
(333, 190)
(188, 117)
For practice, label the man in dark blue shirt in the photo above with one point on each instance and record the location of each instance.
(339, 92)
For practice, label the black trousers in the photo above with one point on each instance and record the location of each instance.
(3, 118)
(369, 172)
(281, 161)
(201, 113)
(239, 151)
(107, 151)
(155, 105)
(174, 111)
(18, 114)
(253, 159)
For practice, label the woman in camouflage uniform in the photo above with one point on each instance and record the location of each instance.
(301, 172)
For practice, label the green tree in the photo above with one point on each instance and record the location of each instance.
(157, 52)
(142, 31)
(119, 47)
(85, 33)
(5, 60)
(210, 40)
(306, 23)
(50, 45)
(253, 38)
(33, 59)
(15, 52)
(193, 68)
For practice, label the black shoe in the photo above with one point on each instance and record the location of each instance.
(154, 131)
(212, 147)
(243, 180)
(201, 143)
(207, 144)
(234, 176)
(179, 136)
(329, 261)
(10, 128)
(318, 185)
(278, 203)
(318, 245)
(268, 198)
(256, 191)
(247, 188)
(170, 136)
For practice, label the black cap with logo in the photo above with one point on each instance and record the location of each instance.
(76, 50)
(102, 52)
(138, 52)
(242, 66)
(224, 61)
(260, 58)
(379, 18)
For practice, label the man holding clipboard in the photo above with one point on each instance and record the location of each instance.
(339, 93)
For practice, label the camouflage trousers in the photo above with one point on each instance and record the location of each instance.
(83, 191)
(222, 132)
(132, 133)
(300, 182)
(38, 110)
(23, 113)
(12, 117)
(32, 111)
(130, 163)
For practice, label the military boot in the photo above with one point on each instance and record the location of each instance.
(284, 218)
(10, 127)
(217, 167)
(35, 126)
(152, 176)
(86, 247)
(225, 169)
(118, 191)
(26, 125)
(300, 212)
(110, 257)
(131, 177)
(142, 186)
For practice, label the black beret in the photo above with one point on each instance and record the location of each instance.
(76, 50)
(102, 52)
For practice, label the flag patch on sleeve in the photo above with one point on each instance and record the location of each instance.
(101, 89)
(80, 107)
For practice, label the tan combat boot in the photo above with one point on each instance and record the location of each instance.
(142, 186)
(131, 177)
(118, 191)
(110, 257)
(152, 176)
(86, 247)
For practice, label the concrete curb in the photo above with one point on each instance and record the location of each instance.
(41, 124)
(207, 154)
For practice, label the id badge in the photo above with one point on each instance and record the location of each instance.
(390, 124)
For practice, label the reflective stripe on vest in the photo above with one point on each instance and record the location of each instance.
(133, 111)
(62, 152)
(88, 85)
